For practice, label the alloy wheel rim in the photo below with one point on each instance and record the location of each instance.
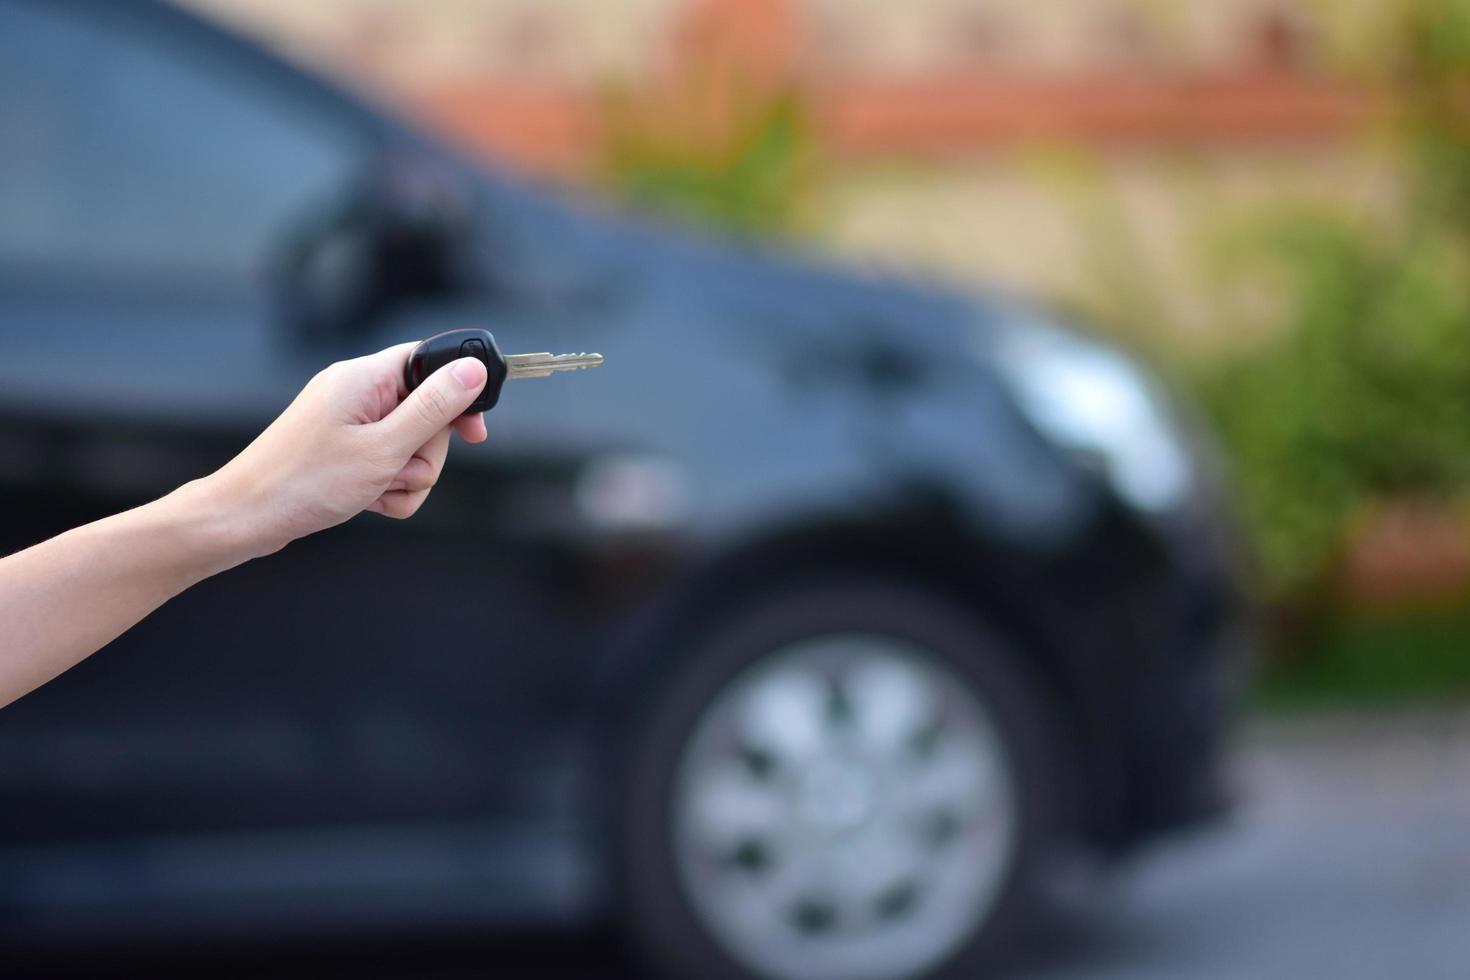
(844, 810)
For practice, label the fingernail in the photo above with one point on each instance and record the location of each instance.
(469, 372)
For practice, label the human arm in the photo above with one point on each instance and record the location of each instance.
(354, 439)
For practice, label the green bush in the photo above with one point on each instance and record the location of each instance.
(1363, 394)
(725, 156)
(1374, 660)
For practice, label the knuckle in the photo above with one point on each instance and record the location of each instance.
(330, 375)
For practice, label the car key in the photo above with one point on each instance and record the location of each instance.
(441, 349)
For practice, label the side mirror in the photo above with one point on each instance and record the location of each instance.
(402, 234)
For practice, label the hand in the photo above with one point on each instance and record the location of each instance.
(351, 441)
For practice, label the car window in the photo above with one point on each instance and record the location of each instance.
(126, 150)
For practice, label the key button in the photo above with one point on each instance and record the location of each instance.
(473, 348)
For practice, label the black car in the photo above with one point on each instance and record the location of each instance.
(794, 638)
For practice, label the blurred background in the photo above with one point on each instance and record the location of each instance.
(1267, 201)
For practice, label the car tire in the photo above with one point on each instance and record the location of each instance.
(752, 850)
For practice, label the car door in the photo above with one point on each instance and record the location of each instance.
(149, 182)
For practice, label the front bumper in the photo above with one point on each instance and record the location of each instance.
(1189, 635)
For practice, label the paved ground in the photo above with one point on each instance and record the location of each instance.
(1349, 859)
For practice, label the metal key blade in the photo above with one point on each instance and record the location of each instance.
(543, 364)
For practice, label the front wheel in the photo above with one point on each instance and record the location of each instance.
(849, 782)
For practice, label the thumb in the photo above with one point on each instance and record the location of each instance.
(439, 400)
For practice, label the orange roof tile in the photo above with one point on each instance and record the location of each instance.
(557, 130)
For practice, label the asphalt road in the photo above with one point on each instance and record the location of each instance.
(1349, 858)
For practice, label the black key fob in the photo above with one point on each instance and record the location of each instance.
(445, 348)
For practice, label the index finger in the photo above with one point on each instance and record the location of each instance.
(471, 428)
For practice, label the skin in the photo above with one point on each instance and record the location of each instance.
(354, 439)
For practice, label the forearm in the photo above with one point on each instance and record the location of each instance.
(69, 596)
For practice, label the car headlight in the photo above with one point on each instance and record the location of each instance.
(1089, 398)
